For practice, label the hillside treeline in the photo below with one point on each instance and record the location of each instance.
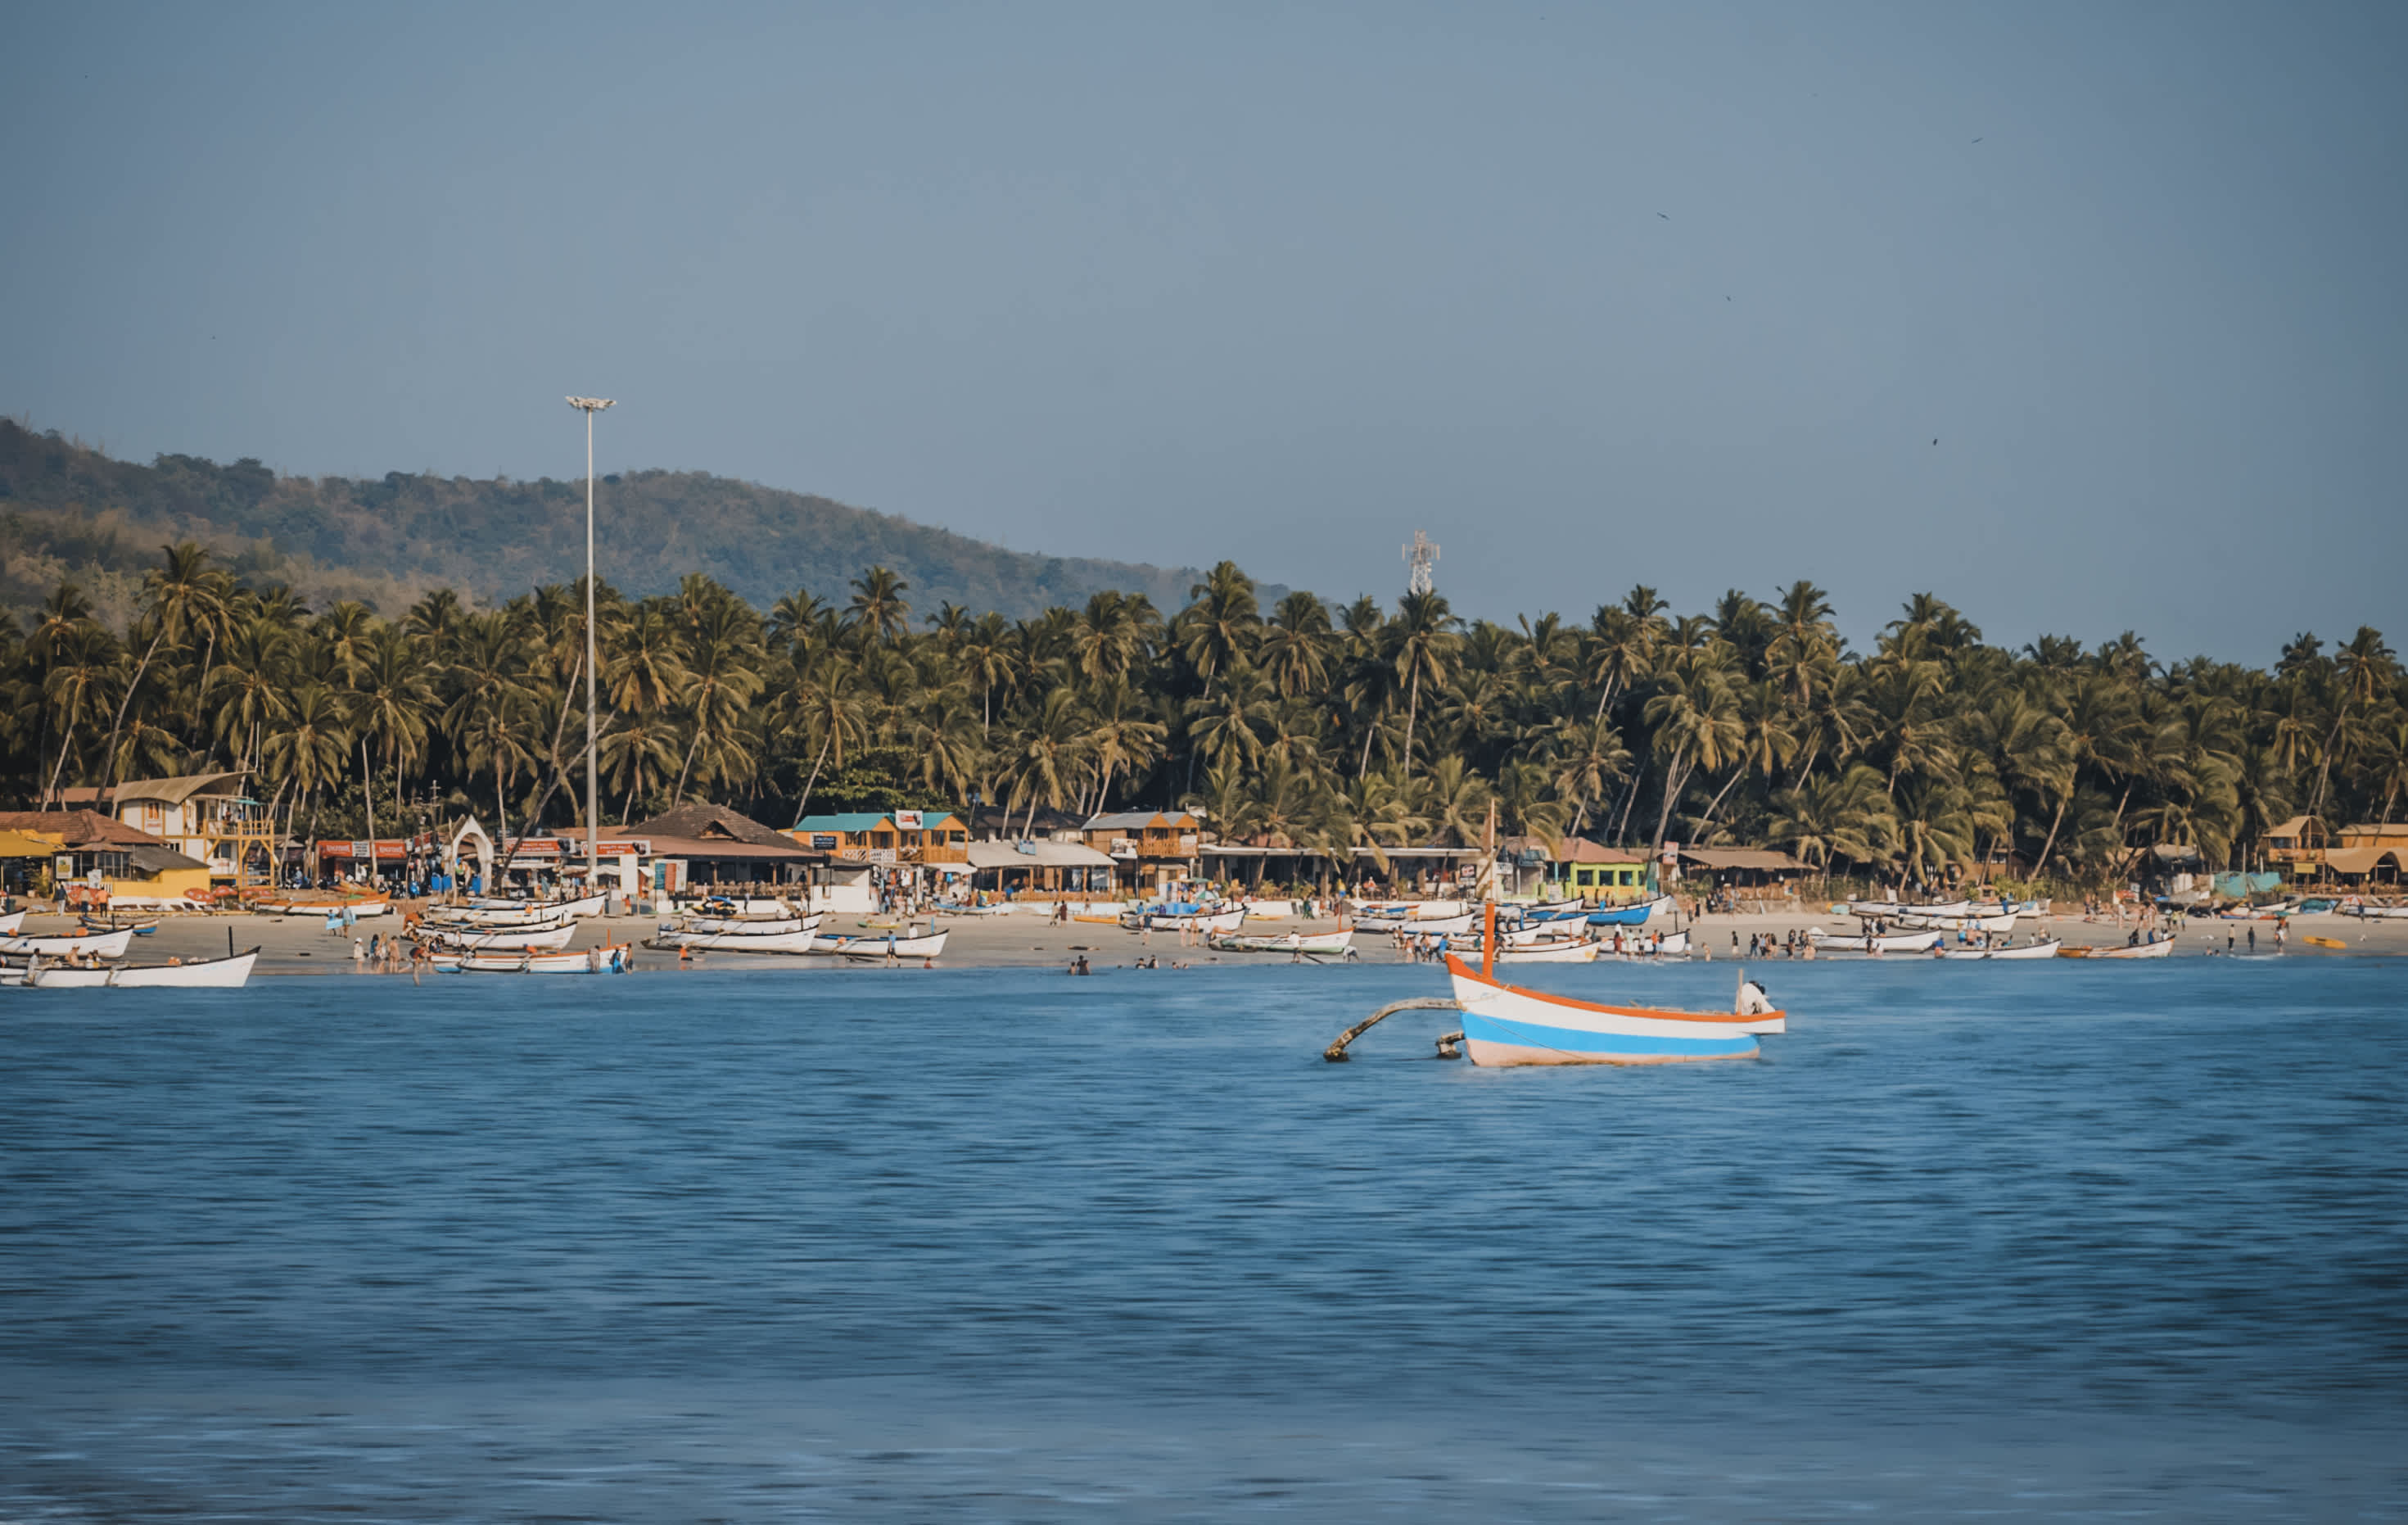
(1326, 726)
(66, 511)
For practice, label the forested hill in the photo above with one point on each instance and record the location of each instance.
(68, 511)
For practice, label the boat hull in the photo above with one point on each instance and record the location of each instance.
(1506, 1026)
(2163, 948)
(882, 947)
(548, 939)
(1331, 943)
(201, 974)
(800, 941)
(1632, 915)
(100, 945)
(2029, 950)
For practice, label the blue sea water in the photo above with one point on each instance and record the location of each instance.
(2013, 1242)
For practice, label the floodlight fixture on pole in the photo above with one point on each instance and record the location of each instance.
(589, 406)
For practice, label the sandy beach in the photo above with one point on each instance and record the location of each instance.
(300, 946)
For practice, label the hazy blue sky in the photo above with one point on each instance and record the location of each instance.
(1593, 294)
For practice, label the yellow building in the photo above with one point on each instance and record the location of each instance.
(129, 866)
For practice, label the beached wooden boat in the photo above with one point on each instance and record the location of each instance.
(375, 905)
(468, 940)
(1561, 951)
(1895, 909)
(927, 946)
(225, 972)
(1507, 1025)
(2028, 950)
(2369, 911)
(1887, 943)
(140, 928)
(1226, 920)
(798, 940)
(2162, 948)
(1409, 910)
(96, 944)
(1636, 915)
(1543, 908)
(609, 960)
(11, 924)
(1331, 944)
(1269, 910)
(1435, 927)
(1972, 921)
(1643, 945)
(751, 926)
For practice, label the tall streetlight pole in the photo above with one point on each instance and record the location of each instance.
(589, 406)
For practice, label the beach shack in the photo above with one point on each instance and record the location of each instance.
(98, 860)
(1598, 875)
(1148, 848)
(1751, 873)
(210, 817)
(887, 837)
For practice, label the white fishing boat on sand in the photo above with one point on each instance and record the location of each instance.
(1325, 945)
(78, 944)
(1869, 942)
(469, 940)
(227, 972)
(801, 940)
(927, 945)
(2028, 950)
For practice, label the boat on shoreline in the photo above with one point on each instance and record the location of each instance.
(2028, 950)
(1506, 1025)
(1636, 914)
(799, 940)
(1869, 942)
(2162, 948)
(469, 940)
(227, 971)
(63, 944)
(1323, 944)
(927, 945)
(605, 960)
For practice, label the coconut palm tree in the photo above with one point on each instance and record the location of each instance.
(183, 596)
(391, 700)
(878, 611)
(1422, 643)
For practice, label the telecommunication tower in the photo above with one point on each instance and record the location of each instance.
(1421, 556)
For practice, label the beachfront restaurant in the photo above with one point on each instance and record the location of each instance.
(1598, 875)
(1046, 868)
(1758, 869)
(887, 837)
(1149, 848)
(97, 862)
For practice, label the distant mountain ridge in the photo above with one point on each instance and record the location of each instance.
(67, 510)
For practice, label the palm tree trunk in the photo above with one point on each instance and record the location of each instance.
(1678, 781)
(1737, 774)
(367, 794)
(1413, 714)
(807, 783)
(67, 744)
(1629, 802)
(118, 724)
(2040, 864)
